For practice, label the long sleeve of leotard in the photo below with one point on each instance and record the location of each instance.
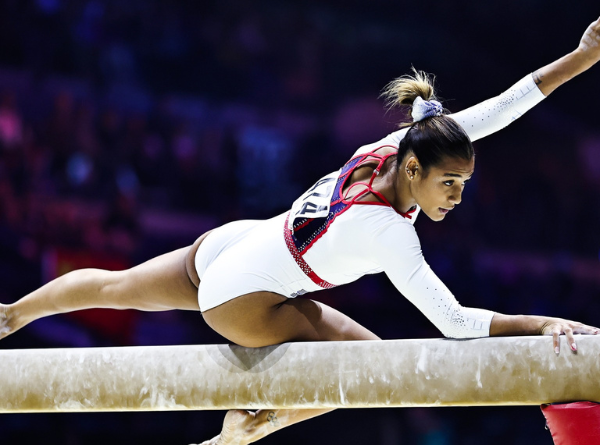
(493, 114)
(396, 248)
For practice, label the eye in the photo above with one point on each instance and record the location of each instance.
(450, 182)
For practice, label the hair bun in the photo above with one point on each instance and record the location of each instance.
(422, 109)
(405, 89)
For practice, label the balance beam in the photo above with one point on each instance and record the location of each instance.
(398, 373)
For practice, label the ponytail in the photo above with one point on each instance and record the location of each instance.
(432, 136)
(403, 90)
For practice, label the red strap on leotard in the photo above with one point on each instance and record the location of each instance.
(369, 185)
(300, 261)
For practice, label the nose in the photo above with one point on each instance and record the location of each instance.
(456, 196)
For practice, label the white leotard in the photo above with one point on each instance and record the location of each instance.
(252, 256)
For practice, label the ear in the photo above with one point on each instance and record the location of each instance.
(411, 167)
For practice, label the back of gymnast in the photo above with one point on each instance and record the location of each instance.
(245, 276)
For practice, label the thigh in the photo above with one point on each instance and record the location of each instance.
(159, 284)
(265, 318)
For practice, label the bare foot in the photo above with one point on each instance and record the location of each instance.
(237, 429)
(5, 329)
(10, 322)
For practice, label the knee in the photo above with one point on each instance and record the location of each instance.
(104, 283)
(97, 278)
(111, 285)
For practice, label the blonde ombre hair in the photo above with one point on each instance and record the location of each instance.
(403, 90)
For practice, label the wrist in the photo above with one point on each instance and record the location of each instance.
(582, 59)
(551, 76)
(536, 323)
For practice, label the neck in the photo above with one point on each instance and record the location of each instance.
(396, 189)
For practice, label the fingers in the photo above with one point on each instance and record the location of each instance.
(586, 330)
(556, 339)
(569, 329)
(570, 339)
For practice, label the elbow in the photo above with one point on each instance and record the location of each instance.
(461, 335)
(465, 328)
(464, 322)
(454, 334)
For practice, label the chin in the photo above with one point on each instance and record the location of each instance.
(437, 217)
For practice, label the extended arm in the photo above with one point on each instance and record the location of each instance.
(498, 112)
(399, 252)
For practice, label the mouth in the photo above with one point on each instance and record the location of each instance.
(443, 210)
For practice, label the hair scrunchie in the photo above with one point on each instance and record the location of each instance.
(422, 109)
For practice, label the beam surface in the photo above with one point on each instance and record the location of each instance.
(393, 373)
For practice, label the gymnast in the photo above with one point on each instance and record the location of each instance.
(245, 276)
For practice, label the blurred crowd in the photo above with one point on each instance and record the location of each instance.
(128, 128)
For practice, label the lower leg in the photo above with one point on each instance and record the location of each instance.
(77, 290)
(80, 289)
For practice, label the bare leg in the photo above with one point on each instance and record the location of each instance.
(159, 284)
(281, 320)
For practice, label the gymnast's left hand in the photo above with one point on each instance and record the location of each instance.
(590, 42)
(558, 326)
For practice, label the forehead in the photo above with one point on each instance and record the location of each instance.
(454, 166)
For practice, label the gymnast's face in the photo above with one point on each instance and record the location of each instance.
(439, 189)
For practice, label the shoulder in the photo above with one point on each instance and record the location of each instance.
(380, 223)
